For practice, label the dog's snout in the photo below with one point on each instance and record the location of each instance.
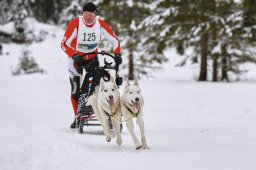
(111, 97)
(137, 99)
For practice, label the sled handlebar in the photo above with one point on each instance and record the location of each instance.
(107, 65)
(102, 53)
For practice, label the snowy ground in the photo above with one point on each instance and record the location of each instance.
(189, 125)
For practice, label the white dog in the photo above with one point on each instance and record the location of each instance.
(105, 102)
(132, 107)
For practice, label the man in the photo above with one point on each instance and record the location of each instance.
(83, 35)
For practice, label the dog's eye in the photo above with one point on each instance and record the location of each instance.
(130, 92)
(105, 91)
(113, 89)
(138, 92)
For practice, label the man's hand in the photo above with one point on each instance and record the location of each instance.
(118, 59)
(78, 60)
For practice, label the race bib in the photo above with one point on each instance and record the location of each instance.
(88, 38)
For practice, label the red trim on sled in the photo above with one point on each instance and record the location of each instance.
(87, 118)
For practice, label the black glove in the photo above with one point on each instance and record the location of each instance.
(78, 60)
(118, 59)
(119, 81)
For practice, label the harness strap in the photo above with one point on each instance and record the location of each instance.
(109, 114)
(133, 113)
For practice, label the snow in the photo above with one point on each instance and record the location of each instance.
(165, 31)
(7, 28)
(130, 3)
(189, 125)
(217, 49)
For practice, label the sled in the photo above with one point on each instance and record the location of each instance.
(91, 119)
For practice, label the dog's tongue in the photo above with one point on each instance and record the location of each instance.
(137, 105)
(111, 102)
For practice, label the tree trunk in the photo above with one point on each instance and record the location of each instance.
(215, 68)
(214, 55)
(203, 62)
(214, 43)
(224, 64)
(130, 67)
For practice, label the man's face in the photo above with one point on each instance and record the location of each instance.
(89, 17)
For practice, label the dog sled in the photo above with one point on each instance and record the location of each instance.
(105, 68)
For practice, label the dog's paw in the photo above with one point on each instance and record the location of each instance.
(145, 147)
(119, 142)
(138, 147)
(108, 139)
(112, 134)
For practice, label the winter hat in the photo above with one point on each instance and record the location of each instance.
(90, 7)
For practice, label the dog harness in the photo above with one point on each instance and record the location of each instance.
(133, 113)
(109, 114)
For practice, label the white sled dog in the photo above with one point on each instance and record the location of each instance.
(132, 107)
(105, 102)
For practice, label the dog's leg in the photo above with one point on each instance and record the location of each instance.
(92, 102)
(105, 127)
(116, 127)
(130, 127)
(97, 113)
(140, 121)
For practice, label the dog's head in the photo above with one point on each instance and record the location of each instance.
(108, 92)
(132, 94)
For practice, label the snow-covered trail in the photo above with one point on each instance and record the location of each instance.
(189, 125)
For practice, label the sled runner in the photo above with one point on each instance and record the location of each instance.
(94, 72)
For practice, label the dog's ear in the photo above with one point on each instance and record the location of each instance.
(112, 80)
(136, 82)
(102, 84)
(127, 84)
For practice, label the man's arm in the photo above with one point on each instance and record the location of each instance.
(68, 42)
(110, 36)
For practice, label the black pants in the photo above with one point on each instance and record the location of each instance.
(91, 80)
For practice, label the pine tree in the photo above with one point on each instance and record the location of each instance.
(181, 24)
(249, 21)
(71, 12)
(4, 11)
(232, 42)
(8, 9)
(213, 28)
(19, 35)
(27, 64)
(125, 17)
(47, 11)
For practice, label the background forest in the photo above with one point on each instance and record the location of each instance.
(217, 35)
